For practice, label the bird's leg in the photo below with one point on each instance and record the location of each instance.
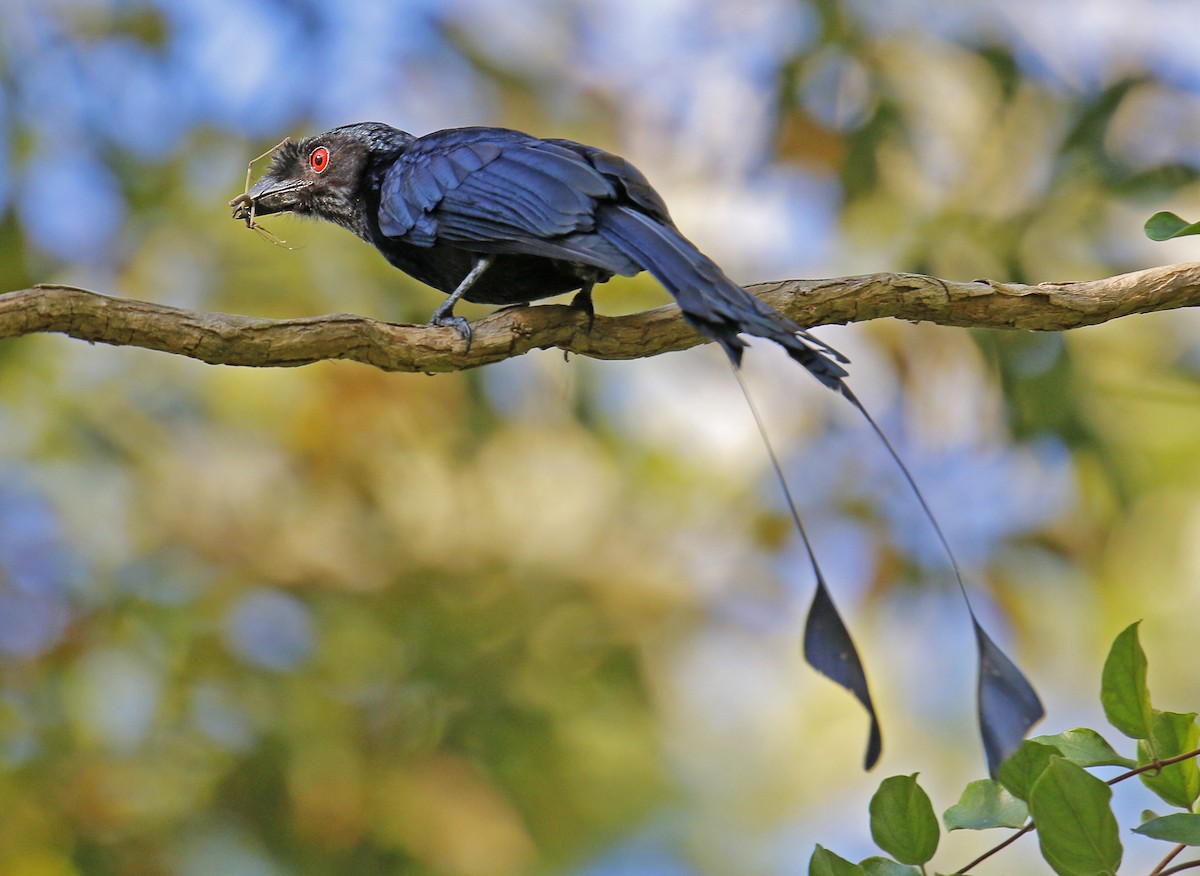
(444, 315)
(583, 301)
(588, 277)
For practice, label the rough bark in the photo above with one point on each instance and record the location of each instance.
(230, 339)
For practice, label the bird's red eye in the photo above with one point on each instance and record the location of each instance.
(319, 160)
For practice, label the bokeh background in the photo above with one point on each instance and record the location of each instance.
(545, 617)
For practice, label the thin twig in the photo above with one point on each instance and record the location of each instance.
(1171, 855)
(1179, 868)
(1030, 827)
(1155, 765)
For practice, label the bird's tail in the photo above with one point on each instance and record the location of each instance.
(713, 304)
(721, 310)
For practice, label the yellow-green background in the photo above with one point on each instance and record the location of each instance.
(545, 617)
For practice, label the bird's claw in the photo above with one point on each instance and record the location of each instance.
(583, 301)
(458, 323)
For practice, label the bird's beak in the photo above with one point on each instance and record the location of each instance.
(268, 195)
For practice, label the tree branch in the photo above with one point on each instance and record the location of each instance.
(228, 339)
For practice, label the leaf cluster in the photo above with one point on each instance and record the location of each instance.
(1047, 786)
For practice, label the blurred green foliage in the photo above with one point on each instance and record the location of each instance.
(544, 618)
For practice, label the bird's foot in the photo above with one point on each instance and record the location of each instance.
(583, 302)
(458, 323)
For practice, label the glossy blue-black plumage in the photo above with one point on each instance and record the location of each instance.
(499, 217)
(569, 215)
(490, 190)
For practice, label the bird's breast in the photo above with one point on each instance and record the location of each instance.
(511, 279)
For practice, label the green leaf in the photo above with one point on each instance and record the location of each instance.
(1020, 771)
(1172, 733)
(1075, 825)
(902, 820)
(1123, 691)
(1165, 225)
(825, 863)
(1086, 748)
(1182, 827)
(878, 866)
(985, 804)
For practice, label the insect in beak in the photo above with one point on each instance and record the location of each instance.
(244, 205)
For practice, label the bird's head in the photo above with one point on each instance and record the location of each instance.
(325, 176)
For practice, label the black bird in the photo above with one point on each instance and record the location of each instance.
(499, 217)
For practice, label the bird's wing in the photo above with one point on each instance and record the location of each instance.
(631, 184)
(491, 190)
